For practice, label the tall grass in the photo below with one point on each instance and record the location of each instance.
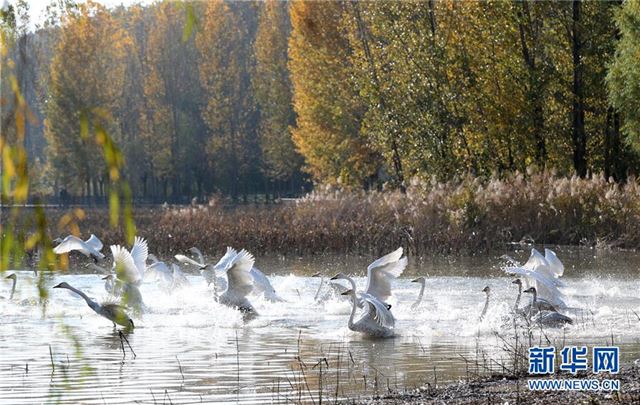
(465, 215)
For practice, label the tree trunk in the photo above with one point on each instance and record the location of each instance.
(579, 136)
(535, 90)
(397, 162)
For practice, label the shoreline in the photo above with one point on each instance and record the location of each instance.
(513, 389)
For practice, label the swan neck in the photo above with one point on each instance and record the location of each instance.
(354, 305)
(13, 287)
(353, 286)
(88, 300)
(199, 254)
(420, 295)
(315, 298)
(215, 284)
(517, 303)
(486, 306)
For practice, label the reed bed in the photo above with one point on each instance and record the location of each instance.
(465, 215)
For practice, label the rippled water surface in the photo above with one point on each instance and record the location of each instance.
(190, 349)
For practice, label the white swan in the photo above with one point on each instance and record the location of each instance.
(169, 279)
(377, 321)
(113, 312)
(423, 282)
(24, 302)
(380, 273)
(178, 278)
(210, 271)
(544, 274)
(551, 319)
(239, 282)
(336, 289)
(90, 247)
(260, 281)
(130, 268)
(486, 290)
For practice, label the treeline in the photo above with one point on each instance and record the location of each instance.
(261, 97)
(194, 112)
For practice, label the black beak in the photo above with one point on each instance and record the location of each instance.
(334, 277)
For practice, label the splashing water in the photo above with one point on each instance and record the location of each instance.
(191, 349)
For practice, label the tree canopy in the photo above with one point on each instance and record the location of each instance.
(269, 97)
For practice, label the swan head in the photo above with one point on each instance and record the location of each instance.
(530, 290)
(348, 292)
(339, 276)
(420, 280)
(108, 277)
(317, 275)
(62, 285)
(486, 290)
(57, 240)
(12, 276)
(517, 281)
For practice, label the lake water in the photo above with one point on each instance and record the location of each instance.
(190, 349)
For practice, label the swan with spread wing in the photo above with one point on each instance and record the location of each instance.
(261, 282)
(239, 282)
(376, 322)
(90, 247)
(380, 273)
(129, 268)
(544, 273)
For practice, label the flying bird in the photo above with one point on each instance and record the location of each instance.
(90, 247)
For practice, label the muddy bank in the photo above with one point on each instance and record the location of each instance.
(512, 390)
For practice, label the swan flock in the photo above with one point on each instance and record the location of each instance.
(234, 280)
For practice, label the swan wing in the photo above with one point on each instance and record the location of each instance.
(68, 244)
(378, 311)
(125, 266)
(382, 271)
(546, 287)
(554, 263)
(140, 253)
(94, 242)
(240, 281)
(392, 257)
(534, 275)
(224, 260)
(536, 259)
(261, 283)
(157, 269)
(187, 260)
